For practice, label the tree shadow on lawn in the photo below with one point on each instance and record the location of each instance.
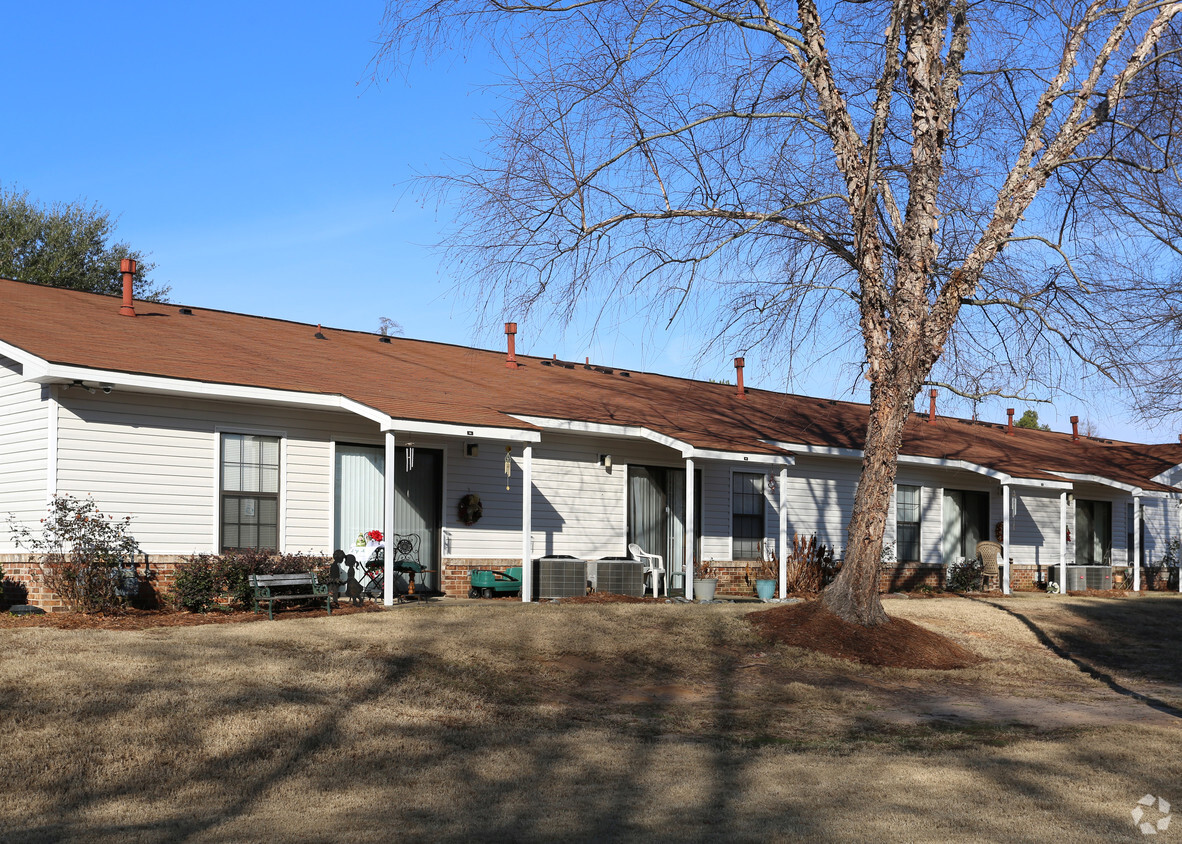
(1139, 637)
(518, 772)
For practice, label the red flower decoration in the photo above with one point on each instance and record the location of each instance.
(375, 535)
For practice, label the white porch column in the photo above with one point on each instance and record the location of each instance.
(1136, 543)
(688, 557)
(388, 520)
(527, 523)
(1063, 542)
(1006, 497)
(783, 532)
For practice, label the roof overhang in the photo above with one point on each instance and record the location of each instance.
(638, 432)
(935, 462)
(40, 371)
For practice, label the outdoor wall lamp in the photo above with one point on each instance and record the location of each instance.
(605, 460)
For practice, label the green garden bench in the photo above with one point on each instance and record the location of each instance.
(287, 587)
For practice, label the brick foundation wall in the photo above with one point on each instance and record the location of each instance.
(22, 582)
(455, 578)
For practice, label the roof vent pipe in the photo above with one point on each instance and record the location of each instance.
(1010, 414)
(511, 336)
(932, 407)
(739, 363)
(127, 268)
(1075, 429)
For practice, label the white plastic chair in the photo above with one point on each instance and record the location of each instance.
(654, 568)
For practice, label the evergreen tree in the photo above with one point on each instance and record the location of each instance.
(67, 245)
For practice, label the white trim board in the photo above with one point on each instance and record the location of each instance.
(639, 432)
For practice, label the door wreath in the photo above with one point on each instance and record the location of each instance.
(470, 509)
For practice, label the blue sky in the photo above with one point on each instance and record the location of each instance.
(241, 145)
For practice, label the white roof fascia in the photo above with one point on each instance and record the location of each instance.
(449, 429)
(631, 431)
(49, 373)
(915, 460)
(640, 432)
(744, 457)
(181, 387)
(33, 366)
(1102, 481)
(1040, 484)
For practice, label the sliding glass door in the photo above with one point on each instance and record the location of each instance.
(656, 512)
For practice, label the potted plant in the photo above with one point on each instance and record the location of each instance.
(705, 583)
(766, 571)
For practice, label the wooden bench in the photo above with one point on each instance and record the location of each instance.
(287, 587)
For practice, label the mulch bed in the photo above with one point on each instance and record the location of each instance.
(896, 644)
(134, 619)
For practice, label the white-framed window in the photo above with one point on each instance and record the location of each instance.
(747, 515)
(907, 523)
(249, 491)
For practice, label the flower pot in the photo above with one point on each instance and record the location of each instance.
(704, 589)
(765, 589)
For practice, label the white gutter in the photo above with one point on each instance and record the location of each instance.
(939, 462)
(639, 432)
(39, 371)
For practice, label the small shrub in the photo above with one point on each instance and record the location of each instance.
(205, 577)
(80, 554)
(810, 565)
(964, 575)
(197, 584)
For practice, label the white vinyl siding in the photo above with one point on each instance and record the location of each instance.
(156, 458)
(23, 450)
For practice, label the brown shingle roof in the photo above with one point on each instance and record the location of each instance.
(414, 379)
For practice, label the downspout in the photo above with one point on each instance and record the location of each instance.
(52, 407)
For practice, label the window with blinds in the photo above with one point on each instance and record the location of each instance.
(907, 523)
(250, 492)
(747, 514)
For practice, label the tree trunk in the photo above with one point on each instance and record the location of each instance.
(853, 595)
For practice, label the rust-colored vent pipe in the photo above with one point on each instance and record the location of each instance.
(127, 268)
(1075, 429)
(932, 406)
(1010, 414)
(511, 336)
(739, 364)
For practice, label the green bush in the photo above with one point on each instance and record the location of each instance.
(205, 577)
(197, 584)
(965, 575)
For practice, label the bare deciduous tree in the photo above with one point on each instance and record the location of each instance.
(919, 175)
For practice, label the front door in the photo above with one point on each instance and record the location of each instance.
(418, 503)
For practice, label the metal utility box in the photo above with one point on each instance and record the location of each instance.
(560, 576)
(619, 576)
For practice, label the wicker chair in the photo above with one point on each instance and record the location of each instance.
(989, 553)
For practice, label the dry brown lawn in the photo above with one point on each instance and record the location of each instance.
(460, 721)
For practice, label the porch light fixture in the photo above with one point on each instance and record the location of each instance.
(605, 460)
(471, 449)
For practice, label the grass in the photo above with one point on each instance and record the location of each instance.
(497, 721)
